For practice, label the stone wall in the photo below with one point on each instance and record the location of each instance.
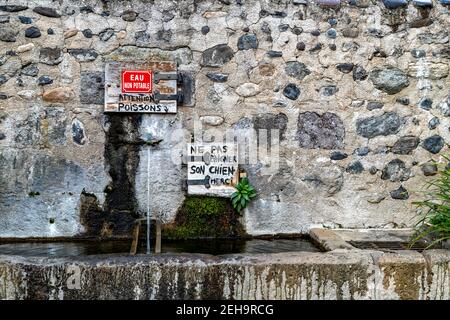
(308, 276)
(359, 91)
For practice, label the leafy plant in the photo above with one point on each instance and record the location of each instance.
(435, 210)
(243, 195)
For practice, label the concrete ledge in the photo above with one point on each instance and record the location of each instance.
(341, 274)
(328, 240)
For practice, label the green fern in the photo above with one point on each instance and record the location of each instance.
(435, 210)
(243, 195)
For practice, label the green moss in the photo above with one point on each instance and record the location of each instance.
(205, 206)
(201, 217)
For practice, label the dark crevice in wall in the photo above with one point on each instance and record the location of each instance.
(122, 156)
(120, 210)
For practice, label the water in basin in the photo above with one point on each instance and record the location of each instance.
(213, 246)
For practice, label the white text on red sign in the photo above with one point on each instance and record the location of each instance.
(137, 81)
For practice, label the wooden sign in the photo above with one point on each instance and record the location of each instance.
(212, 169)
(145, 87)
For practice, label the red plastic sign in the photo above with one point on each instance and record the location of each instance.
(137, 81)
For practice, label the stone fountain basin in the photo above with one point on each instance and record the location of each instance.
(342, 273)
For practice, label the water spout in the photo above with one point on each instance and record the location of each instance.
(148, 200)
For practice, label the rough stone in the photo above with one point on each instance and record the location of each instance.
(92, 87)
(3, 79)
(70, 33)
(428, 70)
(386, 124)
(329, 90)
(426, 103)
(164, 35)
(395, 170)
(389, 79)
(316, 131)
(429, 169)
(142, 38)
(373, 105)
(297, 30)
(328, 180)
(13, 8)
(274, 54)
(337, 155)
(444, 108)
(129, 15)
(44, 80)
(400, 194)
(60, 94)
(248, 89)
(4, 19)
(418, 53)
(247, 41)
(211, 120)
(8, 34)
(316, 48)
(359, 73)
(350, 32)
(32, 32)
(27, 94)
(291, 91)
(283, 27)
(50, 56)
(354, 168)
(217, 56)
(345, 67)
(31, 70)
(279, 104)
(433, 123)
(376, 198)
(315, 33)
(106, 34)
(217, 77)
(47, 12)
(403, 100)
(297, 70)
(78, 132)
(87, 33)
(83, 55)
(25, 47)
(433, 144)
(405, 145)
(205, 30)
(270, 121)
(373, 170)
(362, 151)
(301, 46)
(331, 33)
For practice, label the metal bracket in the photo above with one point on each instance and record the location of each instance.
(181, 86)
(157, 76)
(178, 97)
(201, 182)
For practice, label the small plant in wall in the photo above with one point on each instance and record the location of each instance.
(434, 216)
(243, 195)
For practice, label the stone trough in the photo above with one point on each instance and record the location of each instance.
(343, 272)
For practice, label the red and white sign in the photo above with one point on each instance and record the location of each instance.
(137, 81)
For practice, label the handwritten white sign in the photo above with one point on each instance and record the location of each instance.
(212, 169)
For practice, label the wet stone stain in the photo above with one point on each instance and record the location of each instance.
(118, 214)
